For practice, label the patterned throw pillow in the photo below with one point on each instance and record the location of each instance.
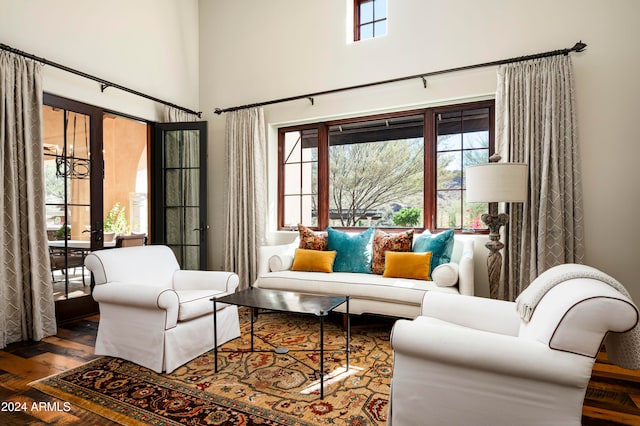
(383, 241)
(310, 240)
(441, 245)
(354, 250)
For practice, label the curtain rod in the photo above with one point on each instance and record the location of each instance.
(104, 84)
(578, 47)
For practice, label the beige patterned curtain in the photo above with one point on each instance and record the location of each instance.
(535, 124)
(27, 308)
(175, 115)
(246, 192)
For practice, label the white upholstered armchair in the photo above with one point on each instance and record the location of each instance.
(154, 314)
(475, 361)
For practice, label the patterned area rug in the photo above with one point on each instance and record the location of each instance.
(250, 388)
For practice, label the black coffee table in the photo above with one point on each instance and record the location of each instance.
(285, 301)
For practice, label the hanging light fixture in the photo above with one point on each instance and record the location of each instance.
(70, 166)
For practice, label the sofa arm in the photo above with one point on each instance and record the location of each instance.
(466, 284)
(497, 316)
(140, 296)
(206, 280)
(266, 252)
(437, 341)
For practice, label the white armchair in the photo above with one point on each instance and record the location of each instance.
(154, 314)
(473, 361)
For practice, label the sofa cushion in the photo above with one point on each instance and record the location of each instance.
(407, 265)
(383, 241)
(311, 240)
(445, 275)
(353, 250)
(195, 303)
(313, 260)
(441, 245)
(280, 262)
(360, 286)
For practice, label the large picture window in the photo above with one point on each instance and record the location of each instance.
(396, 170)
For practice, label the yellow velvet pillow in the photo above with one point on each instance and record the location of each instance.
(407, 265)
(313, 260)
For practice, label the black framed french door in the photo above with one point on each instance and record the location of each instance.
(96, 187)
(72, 152)
(179, 191)
(77, 159)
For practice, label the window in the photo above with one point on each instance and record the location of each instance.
(376, 168)
(395, 170)
(299, 189)
(462, 139)
(370, 19)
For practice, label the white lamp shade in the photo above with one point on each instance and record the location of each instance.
(497, 182)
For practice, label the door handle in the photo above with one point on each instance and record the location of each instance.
(204, 228)
(96, 233)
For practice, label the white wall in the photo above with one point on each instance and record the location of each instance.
(256, 51)
(150, 46)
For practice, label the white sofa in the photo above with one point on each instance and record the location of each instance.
(477, 361)
(369, 293)
(155, 314)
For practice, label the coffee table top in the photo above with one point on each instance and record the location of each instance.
(286, 301)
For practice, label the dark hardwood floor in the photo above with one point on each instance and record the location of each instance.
(613, 397)
(24, 362)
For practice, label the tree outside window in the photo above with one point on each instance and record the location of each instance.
(370, 182)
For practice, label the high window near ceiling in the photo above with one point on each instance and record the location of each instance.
(396, 170)
(370, 19)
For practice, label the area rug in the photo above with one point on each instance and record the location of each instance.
(250, 388)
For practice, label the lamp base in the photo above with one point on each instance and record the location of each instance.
(494, 259)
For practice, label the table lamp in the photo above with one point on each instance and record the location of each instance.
(496, 182)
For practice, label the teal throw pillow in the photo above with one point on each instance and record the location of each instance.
(440, 245)
(353, 250)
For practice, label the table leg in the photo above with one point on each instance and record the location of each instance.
(321, 357)
(348, 347)
(215, 335)
(251, 329)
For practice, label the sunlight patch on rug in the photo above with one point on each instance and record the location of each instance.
(335, 376)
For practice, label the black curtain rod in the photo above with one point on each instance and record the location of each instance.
(104, 84)
(578, 47)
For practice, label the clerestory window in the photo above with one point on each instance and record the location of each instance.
(370, 19)
(395, 170)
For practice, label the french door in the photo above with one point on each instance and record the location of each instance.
(72, 134)
(179, 191)
(96, 186)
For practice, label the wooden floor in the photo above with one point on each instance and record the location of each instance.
(24, 362)
(613, 397)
